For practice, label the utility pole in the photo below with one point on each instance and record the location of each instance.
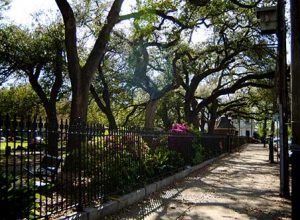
(295, 63)
(283, 104)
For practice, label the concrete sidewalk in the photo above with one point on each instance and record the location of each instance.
(241, 186)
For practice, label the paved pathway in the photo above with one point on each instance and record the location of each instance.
(240, 186)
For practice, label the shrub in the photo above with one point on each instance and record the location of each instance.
(162, 160)
(16, 202)
(198, 150)
(122, 172)
(179, 128)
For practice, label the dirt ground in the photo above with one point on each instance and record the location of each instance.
(241, 186)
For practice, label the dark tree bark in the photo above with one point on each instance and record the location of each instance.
(241, 83)
(199, 3)
(179, 115)
(165, 115)
(213, 116)
(265, 131)
(50, 103)
(105, 103)
(193, 108)
(150, 114)
(81, 77)
(202, 121)
(33, 63)
(105, 108)
(143, 81)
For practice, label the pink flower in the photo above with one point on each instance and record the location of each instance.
(179, 128)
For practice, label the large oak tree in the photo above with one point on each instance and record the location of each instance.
(81, 73)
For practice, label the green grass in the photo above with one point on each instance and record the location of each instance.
(11, 144)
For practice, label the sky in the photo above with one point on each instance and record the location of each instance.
(21, 11)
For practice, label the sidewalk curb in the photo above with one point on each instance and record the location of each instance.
(137, 195)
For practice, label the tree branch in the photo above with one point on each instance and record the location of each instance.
(98, 50)
(240, 83)
(242, 5)
(70, 38)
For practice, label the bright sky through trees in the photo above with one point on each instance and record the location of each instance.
(21, 12)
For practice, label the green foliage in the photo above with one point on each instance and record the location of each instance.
(198, 154)
(122, 172)
(19, 101)
(123, 162)
(289, 131)
(256, 135)
(161, 160)
(16, 201)
(198, 150)
(33, 54)
(116, 158)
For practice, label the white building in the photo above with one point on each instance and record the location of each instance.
(244, 127)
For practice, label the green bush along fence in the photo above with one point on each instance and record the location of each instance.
(78, 166)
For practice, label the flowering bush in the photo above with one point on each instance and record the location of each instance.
(179, 128)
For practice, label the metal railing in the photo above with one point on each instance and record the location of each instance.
(79, 166)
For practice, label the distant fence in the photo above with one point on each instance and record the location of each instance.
(45, 172)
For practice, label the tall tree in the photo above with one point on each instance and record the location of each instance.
(104, 103)
(231, 59)
(37, 56)
(81, 75)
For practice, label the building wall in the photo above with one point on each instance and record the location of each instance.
(244, 127)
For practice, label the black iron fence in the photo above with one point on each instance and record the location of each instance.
(45, 172)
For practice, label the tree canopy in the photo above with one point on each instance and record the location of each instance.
(158, 63)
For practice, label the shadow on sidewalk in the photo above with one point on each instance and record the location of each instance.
(243, 185)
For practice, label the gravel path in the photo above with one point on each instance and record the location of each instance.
(240, 186)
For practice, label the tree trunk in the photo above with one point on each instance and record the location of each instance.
(150, 114)
(202, 121)
(191, 115)
(111, 120)
(211, 125)
(283, 103)
(192, 119)
(165, 116)
(79, 104)
(196, 122)
(106, 109)
(265, 131)
(213, 116)
(178, 113)
(50, 108)
(188, 113)
(78, 116)
(149, 122)
(52, 145)
(81, 76)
